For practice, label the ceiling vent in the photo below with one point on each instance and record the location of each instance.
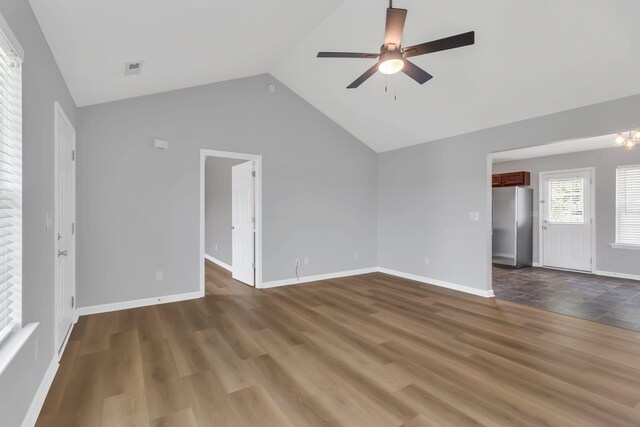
(133, 68)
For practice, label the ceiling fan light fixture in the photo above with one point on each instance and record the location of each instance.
(630, 145)
(620, 139)
(391, 62)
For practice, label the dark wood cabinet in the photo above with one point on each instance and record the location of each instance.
(511, 179)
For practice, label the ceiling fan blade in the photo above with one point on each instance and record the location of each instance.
(464, 39)
(347, 55)
(415, 72)
(370, 72)
(395, 26)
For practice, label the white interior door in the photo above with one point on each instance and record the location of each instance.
(566, 220)
(243, 222)
(64, 225)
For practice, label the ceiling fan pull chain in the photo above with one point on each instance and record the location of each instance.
(385, 83)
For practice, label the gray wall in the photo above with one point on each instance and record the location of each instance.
(138, 208)
(42, 85)
(605, 163)
(217, 207)
(427, 191)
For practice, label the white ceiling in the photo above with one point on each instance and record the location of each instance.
(531, 58)
(182, 43)
(563, 147)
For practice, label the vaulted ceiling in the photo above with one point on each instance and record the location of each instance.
(531, 58)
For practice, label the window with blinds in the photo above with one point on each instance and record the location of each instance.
(628, 205)
(10, 186)
(566, 200)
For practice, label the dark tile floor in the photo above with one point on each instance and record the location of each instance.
(601, 299)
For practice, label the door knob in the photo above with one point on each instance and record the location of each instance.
(62, 253)
(544, 227)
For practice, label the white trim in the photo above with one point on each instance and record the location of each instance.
(204, 153)
(10, 347)
(535, 264)
(124, 305)
(60, 115)
(31, 417)
(625, 246)
(218, 262)
(306, 279)
(592, 172)
(618, 275)
(11, 38)
(486, 293)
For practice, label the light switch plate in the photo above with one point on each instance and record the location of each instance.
(474, 216)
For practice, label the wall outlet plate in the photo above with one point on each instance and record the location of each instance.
(159, 275)
(160, 144)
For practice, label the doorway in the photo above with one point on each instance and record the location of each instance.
(566, 210)
(64, 226)
(231, 215)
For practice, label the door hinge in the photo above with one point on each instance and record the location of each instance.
(73, 302)
(73, 155)
(253, 174)
(253, 265)
(73, 228)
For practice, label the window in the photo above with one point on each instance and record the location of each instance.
(628, 205)
(566, 200)
(10, 182)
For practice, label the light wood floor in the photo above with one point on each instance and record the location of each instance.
(370, 350)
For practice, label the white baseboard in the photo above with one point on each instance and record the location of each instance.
(535, 264)
(618, 275)
(486, 293)
(104, 308)
(427, 280)
(306, 279)
(218, 262)
(38, 400)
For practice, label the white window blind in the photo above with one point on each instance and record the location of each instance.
(10, 186)
(566, 200)
(628, 205)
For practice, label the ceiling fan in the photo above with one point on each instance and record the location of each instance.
(393, 57)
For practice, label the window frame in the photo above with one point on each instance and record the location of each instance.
(617, 244)
(9, 45)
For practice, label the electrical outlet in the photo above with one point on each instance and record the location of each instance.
(306, 260)
(426, 261)
(159, 275)
(356, 255)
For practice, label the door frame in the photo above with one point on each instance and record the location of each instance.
(592, 209)
(257, 159)
(58, 115)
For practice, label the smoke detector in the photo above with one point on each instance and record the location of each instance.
(133, 68)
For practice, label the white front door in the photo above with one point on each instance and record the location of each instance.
(566, 220)
(65, 190)
(243, 222)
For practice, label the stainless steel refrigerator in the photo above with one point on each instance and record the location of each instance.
(513, 226)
